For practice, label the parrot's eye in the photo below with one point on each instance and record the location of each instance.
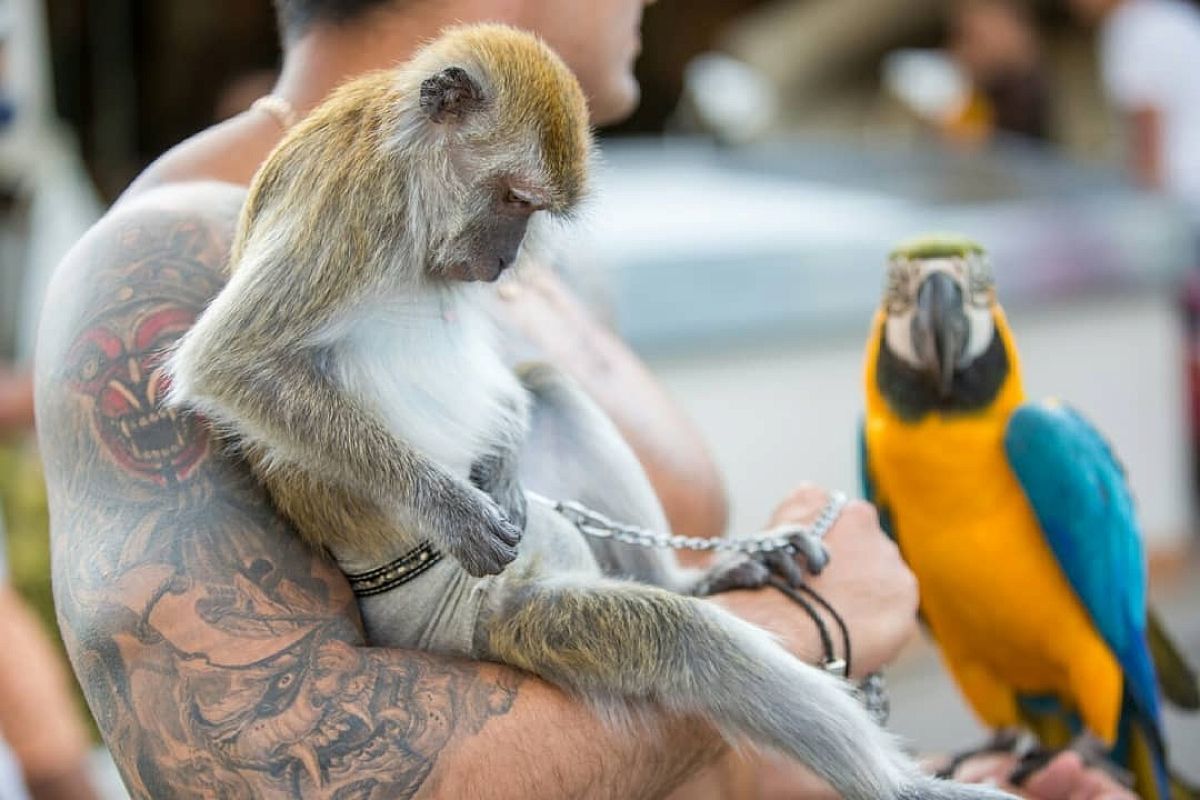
(980, 282)
(897, 290)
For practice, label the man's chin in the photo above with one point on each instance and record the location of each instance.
(616, 104)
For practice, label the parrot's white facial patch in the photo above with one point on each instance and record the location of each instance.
(904, 282)
(898, 334)
(983, 328)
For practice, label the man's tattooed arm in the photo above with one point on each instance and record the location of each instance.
(219, 656)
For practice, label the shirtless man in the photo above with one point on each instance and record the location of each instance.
(220, 657)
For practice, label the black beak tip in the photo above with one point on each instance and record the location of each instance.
(940, 330)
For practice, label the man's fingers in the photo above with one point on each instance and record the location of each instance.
(1067, 778)
(801, 505)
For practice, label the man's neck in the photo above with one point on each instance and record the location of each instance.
(328, 55)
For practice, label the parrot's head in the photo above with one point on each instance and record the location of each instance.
(941, 347)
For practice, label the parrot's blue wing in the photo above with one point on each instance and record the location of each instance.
(1079, 493)
(867, 486)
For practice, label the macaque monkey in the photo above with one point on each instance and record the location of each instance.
(352, 359)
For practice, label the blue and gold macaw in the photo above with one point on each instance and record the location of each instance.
(1016, 519)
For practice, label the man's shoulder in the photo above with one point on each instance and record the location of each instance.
(165, 246)
(229, 152)
(193, 221)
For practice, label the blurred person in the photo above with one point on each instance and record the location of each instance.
(995, 43)
(1150, 65)
(222, 658)
(44, 744)
(16, 400)
(241, 92)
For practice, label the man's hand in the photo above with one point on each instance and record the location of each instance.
(1064, 778)
(866, 581)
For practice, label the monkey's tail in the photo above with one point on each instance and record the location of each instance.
(615, 642)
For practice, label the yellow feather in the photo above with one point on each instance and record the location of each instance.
(1000, 607)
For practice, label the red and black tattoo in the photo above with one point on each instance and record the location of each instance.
(219, 656)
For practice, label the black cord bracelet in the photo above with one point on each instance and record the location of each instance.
(841, 623)
(822, 629)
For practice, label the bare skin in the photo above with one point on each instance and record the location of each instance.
(222, 658)
(219, 656)
(1064, 778)
(1144, 124)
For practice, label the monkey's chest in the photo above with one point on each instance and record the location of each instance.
(439, 385)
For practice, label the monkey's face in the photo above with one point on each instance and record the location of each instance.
(491, 239)
(512, 124)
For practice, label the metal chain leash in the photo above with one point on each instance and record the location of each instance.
(871, 691)
(599, 526)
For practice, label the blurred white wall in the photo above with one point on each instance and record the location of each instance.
(776, 416)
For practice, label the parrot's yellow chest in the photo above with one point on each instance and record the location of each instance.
(992, 592)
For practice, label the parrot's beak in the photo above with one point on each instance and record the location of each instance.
(940, 329)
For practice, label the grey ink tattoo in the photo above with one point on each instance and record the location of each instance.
(219, 656)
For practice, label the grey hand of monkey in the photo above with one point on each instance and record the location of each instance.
(866, 580)
(482, 538)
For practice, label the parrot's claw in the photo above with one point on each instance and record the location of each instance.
(1008, 740)
(1090, 751)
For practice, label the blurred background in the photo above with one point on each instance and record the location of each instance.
(738, 234)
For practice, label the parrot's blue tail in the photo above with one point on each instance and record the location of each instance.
(1140, 750)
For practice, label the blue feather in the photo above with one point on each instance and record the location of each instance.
(1080, 495)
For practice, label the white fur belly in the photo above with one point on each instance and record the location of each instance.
(435, 378)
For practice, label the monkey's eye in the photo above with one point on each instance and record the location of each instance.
(516, 197)
(522, 200)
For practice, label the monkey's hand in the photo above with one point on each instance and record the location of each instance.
(476, 532)
(500, 479)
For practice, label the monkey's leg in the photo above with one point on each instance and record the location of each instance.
(739, 571)
(498, 473)
(619, 643)
(575, 452)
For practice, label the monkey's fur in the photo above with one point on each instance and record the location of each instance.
(351, 357)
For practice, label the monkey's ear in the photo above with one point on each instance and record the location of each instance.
(450, 95)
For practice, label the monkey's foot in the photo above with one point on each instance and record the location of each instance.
(753, 572)
(738, 572)
(784, 564)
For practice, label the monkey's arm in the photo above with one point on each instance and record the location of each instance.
(220, 657)
(288, 405)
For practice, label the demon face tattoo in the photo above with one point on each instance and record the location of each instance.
(117, 363)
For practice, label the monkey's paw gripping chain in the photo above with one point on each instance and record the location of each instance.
(871, 692)
(595, 524)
